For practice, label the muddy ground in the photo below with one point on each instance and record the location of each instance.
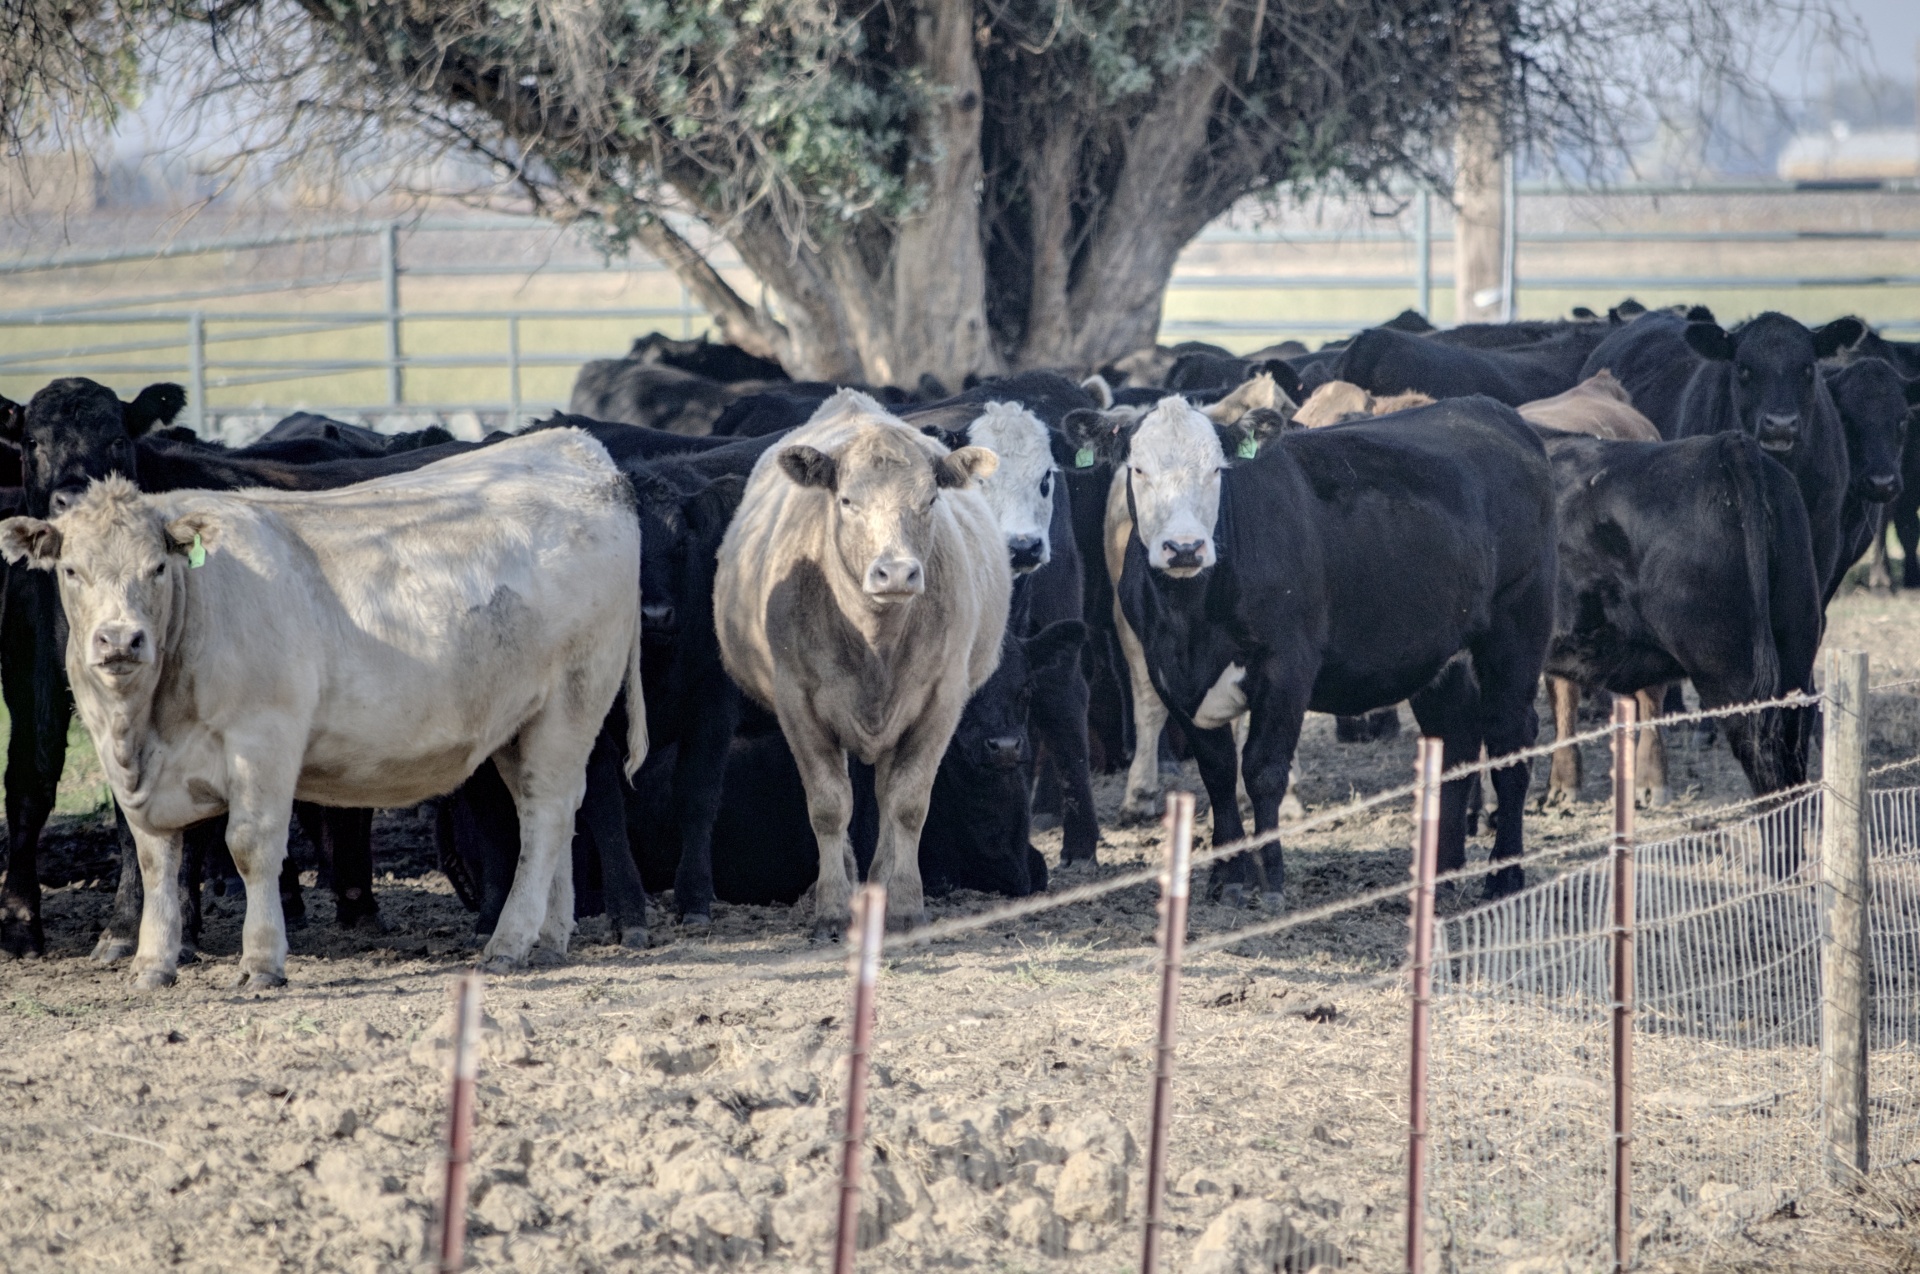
(675, 1108)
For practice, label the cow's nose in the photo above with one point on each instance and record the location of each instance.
(1025, 551)
(657, 616)
(1882, 487)
(1184, 552)
(1003, 751)
(895, 577)
(62, 500)
(1777, 432)
(119, 643)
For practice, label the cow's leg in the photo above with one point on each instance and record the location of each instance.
(1879, 574)
(902, 788)
(545, 770)
(603, 816)
(823, 773)
(1563, 781)
(123, 923)
(343, 839)
(484, 834)
(1235, 879)
(1149, 720)
(1447, 709)
(35, 688)
(1506, 670)
(1266, 766)
(1058, 716)
(257, 827)
(1650, 749)
(699, 772)
(157, 958)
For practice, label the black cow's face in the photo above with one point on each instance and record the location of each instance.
(76, 430)
(1874, 402)
(1774, 377)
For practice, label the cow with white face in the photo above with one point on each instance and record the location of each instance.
(1020, 491)
(364, 647)
(1173, 481)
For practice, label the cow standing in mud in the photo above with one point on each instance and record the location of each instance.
(368, 646)
(861, 595)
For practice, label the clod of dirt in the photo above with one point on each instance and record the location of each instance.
(1256, 1237)
(1091, 1188)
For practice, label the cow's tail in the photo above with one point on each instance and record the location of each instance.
(636, 698)
(1743, 461)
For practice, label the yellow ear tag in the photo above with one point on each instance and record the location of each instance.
(1248, 448)
(197, 555)
(1083, 458)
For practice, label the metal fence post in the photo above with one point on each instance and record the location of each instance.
(1426, 859)
(1423, 241)
(1843, 917)
(1173, 937)
(868, 930)
(466, 1064)
(686, 313)
(1509, 241)
(513, 372)
(390, 297)
(197, 368)
(1625, 714)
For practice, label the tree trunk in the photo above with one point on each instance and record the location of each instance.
(1477, 187)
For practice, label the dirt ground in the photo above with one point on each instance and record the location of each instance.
(676, 1108)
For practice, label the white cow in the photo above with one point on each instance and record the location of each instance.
(368, 646)
(1020, 491)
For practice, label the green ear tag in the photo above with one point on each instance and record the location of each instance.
(197, 555)
(1083, 458)
(1248, 448)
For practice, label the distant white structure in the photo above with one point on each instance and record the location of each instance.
(1844, 154)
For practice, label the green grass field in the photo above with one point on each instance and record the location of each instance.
(83, 784)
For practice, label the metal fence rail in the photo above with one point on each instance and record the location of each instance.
(186, 332)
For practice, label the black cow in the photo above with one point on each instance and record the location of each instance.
(1342, 570)
(728, 364)
(650, 394)
(1687, 560)
(1873, 401)
(1760, 379)
(1385, 362)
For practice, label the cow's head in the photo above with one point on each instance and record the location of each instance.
(884, 484)
(1874, 402)
(1020, 490)
(76, 430)
(1772, 375)
(119, 563)
(1174, 462)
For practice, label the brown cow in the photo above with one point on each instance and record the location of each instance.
(861, 595)
(1339, 400)
(1599, 406)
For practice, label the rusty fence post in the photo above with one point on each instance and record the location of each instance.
(1625, 715)
(868, 931)
(1426, 858)
(451, 1253)
(1174, 883)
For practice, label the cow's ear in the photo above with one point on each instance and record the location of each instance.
(951, 439)
(1285, 379)
(1583, 314)
(714, 505)
(1054, 646)
(1700, 314)
(1842, 333)
(30, 540)
(810, 468)
(13, 420)
(1093, 436)
(154, 405)
(958, 468)
(1710, 340)
(1099, 390)
(194, 534)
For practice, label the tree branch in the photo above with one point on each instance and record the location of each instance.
(740, 324)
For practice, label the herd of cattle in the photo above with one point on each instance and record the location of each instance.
(743, 637)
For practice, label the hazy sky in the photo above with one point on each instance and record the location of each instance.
(1893, 28)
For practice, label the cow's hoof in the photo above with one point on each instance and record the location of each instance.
(1505, 883)
(1234, 896)
(1291, 810)
(827, 932)
(1135, 813)
(258, 980)
(111, 950)
(634, 938)
(1274, 900)
(500, 964)
(367, 922)
(696, 922)
(189, 954)
(906, 921)
(154, 979)
(1085, 858)
(1652, 797)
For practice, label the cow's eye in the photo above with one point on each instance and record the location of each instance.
(1046, 485)
(69, 572)
(160, 570)
(845, 503)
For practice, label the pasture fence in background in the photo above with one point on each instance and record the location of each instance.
(399, 358)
